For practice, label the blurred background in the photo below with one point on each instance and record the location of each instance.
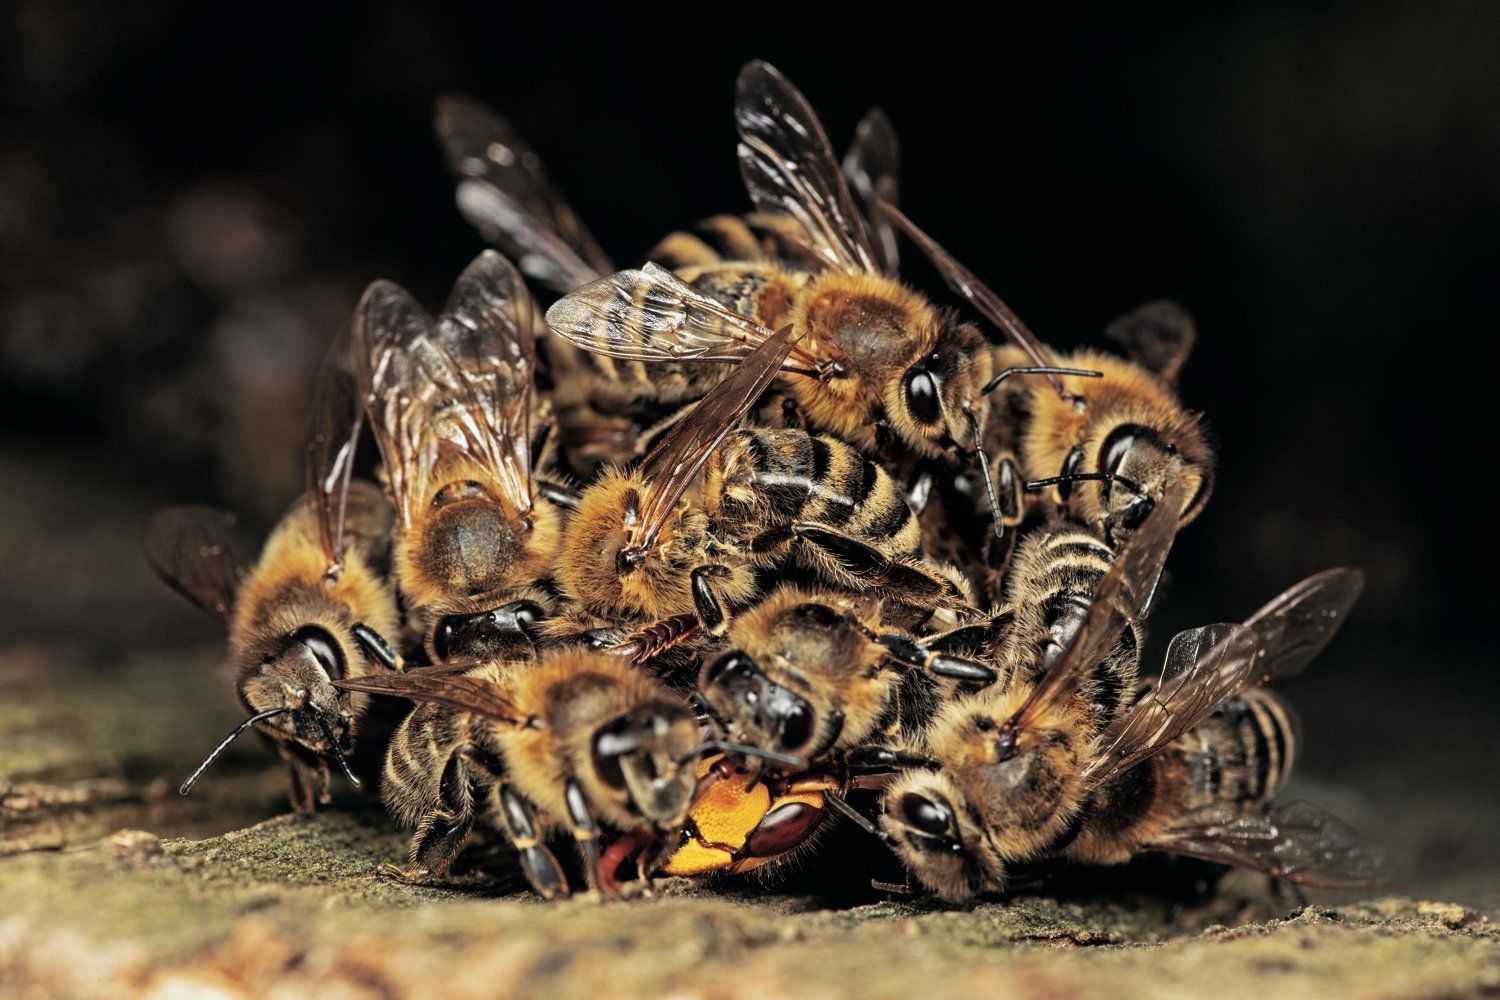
(191, 203)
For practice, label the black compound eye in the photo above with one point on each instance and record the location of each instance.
(796, 722)
(321, 645)
(733, 664)
(922, 395)
(443, 637)
(1118, 445)
(610, 744)
(921, 813)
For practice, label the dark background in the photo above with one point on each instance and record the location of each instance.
(190, 204)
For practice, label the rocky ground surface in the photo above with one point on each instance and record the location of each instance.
(114, 885)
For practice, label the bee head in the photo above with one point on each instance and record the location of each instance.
(755, 709)
(938, 401)
(298, 675)
(507, 632)
(924, 820)
(646, 756)
(1139, 463)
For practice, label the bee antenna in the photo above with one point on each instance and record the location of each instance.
(995, 382)
(187, 785)
(338, 755)
(856, 817)
(984, 471)
(1086, 477)
(746, 750)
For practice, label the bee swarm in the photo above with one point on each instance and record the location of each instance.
(752, 546)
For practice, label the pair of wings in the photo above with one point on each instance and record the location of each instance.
(457, 384)
(648, 314)
(450, 684)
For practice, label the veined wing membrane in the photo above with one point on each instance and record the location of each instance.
(338, 418)
(192, 549)
(387, 323)
(789, 168)
(651, 315)
(873, 167)
(505, 193)
(469, 694)
(1279, 639)
(1299, 843)
(681, 452)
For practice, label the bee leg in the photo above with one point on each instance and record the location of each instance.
(586, 831)
(651, 640)
(539, 864)
(1010, 494)
(301, 788)
(875, 569)
(882, 760)
(711, 613)
(1281, 885)
(376, 648)
(769, 541)
(956, 668)
(444, 830)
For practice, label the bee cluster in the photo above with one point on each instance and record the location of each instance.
(753, 540)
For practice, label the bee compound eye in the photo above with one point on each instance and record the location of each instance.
(443, 638)
(323, 649)
(923, 814)
(795, 721)
(612, 742)
(921, 392)
(734, 664)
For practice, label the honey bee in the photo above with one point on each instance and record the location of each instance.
(1019, 776)
(568, 741)
(1113, 423)
(603, 408)
(634, 553)
(813, 675)
(452, 407)
(315, 608)
(878, 365)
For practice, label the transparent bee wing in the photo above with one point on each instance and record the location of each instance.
(388, 322)
(789, 168)
(681, 452)
(338, 418)
(1296, 625)
(1204, 668)
(1299, 843)
(1207, 667)
(505, 193)
(873, 167)
(482, 359)
(1158, 336)
(468, 694)
(651, 315)
(192, 549)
